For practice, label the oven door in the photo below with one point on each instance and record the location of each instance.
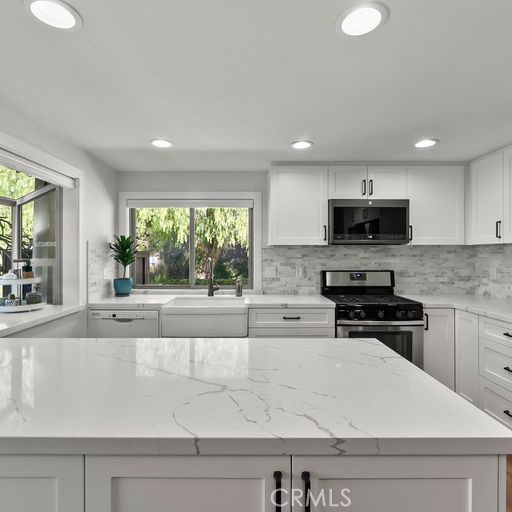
(405, 338)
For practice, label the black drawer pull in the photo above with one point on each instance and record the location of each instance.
(306, 478)
(507, 334)
(507, 412)
(508, 369)
(291, 317)
(279, 498)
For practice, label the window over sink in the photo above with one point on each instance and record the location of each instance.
(175, 238)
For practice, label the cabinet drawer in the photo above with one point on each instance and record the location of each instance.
(284, 317)
(496, 362)
(495, 401)
(495, 330)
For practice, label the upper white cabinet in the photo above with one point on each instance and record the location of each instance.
(436, 196)
(298, 205)
(487, 200)
(348, 181)
(507, 199)
(360, 181)
(387, 182)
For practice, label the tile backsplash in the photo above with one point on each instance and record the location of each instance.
(101, 270)
(418, 269)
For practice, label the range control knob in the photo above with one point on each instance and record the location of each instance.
(352, 314)
(362, 314)
(410, 314)
(380, 313)
(400, 314)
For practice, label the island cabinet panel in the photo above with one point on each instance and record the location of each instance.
(42, 483)
(400, 484)
(184, 483)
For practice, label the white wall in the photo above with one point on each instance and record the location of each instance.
(95, 203)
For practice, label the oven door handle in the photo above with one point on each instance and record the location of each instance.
(383, 323)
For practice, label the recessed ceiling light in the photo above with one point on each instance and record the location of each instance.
(55, 13)
(301, 144)
(426, 143)
(362, 19)
(162, 143)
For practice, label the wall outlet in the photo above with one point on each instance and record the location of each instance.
(493, 274)
(299, 271)
(270, 272)
(106, 274)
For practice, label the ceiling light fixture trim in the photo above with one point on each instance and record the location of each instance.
(54, 13)
(361, 19)
(301, 144)
(428, 142)
(162, 143)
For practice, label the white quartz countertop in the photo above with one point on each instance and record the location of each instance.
(148, 301)
(15, 322)
(499, 309)
(230, 396)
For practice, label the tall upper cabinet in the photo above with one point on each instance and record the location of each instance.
(437, 204)
(487, 197)
(298, 205)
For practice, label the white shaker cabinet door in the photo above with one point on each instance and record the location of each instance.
(348, 182)
(387, 182)
(399, 484)
(439, 345)
(183, 483)
(436, 196)
(486, 205)
(41, 483)
(466, 355)
(507, 199)
(298, 205)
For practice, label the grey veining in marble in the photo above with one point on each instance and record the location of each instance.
(230, 396)
(101, 270)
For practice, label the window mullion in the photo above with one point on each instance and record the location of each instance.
(192, 249)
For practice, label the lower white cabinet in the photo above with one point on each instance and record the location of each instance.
(495, 401)
(400, 484)
(183, 483)
(439, 345)
(291, 322)
(466, 355)
(41, 483)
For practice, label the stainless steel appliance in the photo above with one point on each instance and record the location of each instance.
(366, 307)
(369, 221)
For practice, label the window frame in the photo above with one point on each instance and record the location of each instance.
(255, 247)
(191, 260)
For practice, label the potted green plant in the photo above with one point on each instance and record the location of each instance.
(123, 250)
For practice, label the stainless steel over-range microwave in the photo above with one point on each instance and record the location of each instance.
(369, 221)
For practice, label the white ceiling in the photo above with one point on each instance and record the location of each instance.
(233, 82)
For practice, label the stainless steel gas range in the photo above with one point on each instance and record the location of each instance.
(366, 307)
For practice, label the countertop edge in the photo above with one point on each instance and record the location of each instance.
(41, 319)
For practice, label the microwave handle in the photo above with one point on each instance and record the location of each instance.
(364, 187)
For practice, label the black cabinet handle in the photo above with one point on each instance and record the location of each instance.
(508, 369)
(426, 321)
(507, 412)
(279, 494)
(410, 232)
(325, 233)
(507, 334)
(370, 183)
(364, 187)
(291, 317)
(498, 229)
(306, 478)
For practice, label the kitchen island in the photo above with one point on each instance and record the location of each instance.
(132, 424)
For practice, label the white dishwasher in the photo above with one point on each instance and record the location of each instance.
(122, 324)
